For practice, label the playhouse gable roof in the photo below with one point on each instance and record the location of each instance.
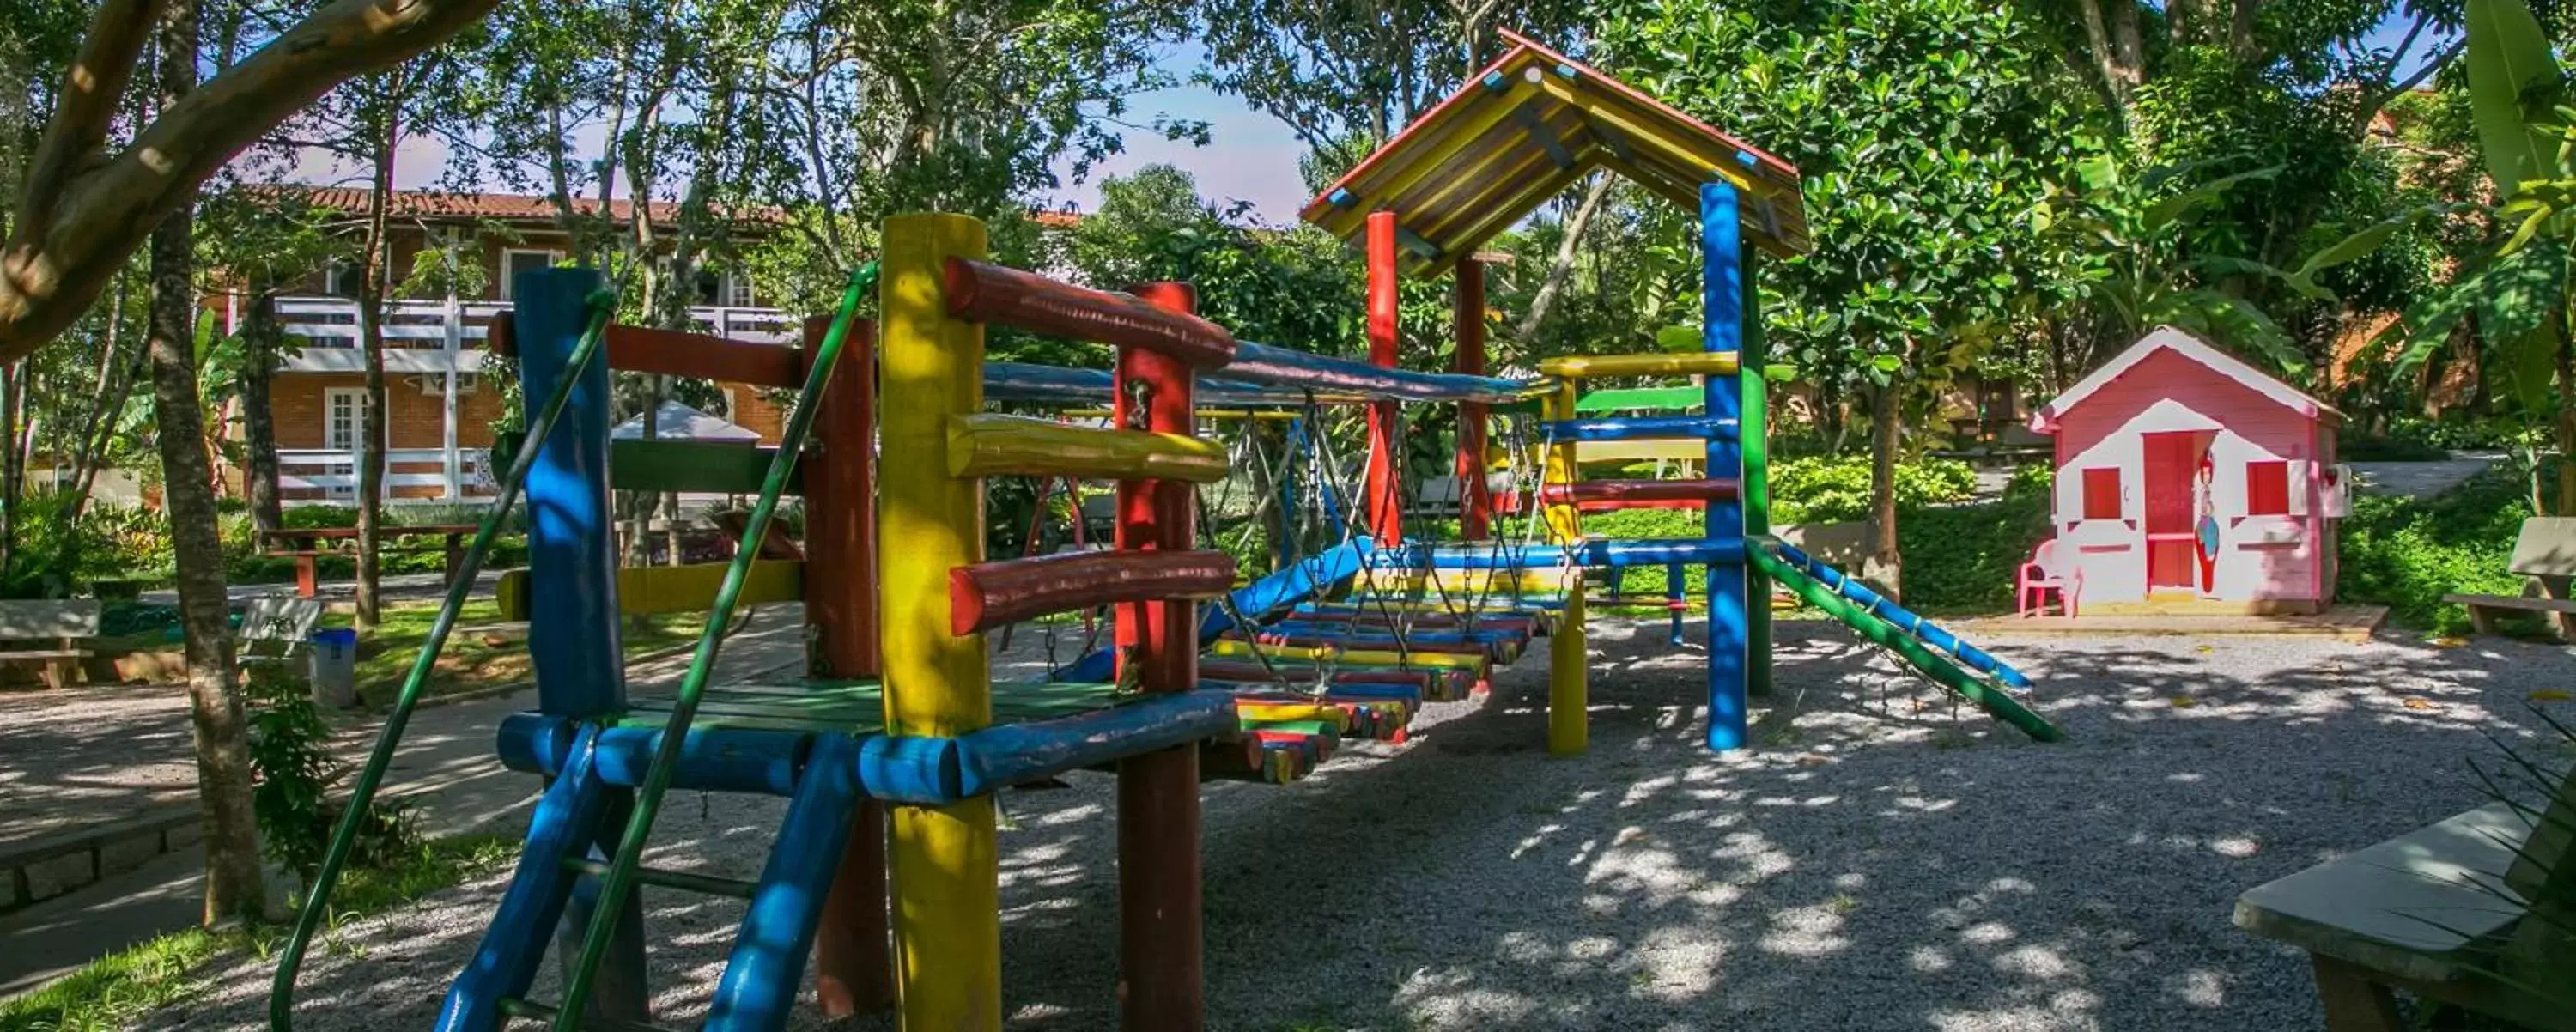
(2182, 343)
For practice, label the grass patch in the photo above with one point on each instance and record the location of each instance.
(115, 990)
(470, 661)
(2406, 553)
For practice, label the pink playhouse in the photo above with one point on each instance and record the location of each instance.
(2190, 481)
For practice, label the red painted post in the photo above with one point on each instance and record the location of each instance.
(1161, 984)
(1385, 515)
(853, 962)
(1475, 497)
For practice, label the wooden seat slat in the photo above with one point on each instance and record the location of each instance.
(2549, 605)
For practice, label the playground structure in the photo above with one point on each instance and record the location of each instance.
(886, 866)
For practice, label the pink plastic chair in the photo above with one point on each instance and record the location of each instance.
(2044, 573)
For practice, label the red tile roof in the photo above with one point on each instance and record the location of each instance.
(500, 206)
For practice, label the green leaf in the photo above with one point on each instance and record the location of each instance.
(2350, 248)
(2527, 359)
(1778, 372)
(2165, 213)
(1678, 338)
(2512, 78)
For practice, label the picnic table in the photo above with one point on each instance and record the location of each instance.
(307, 544)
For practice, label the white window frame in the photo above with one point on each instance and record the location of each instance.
(357, 400)
(738, 291)
(333, 271)
(553, 257)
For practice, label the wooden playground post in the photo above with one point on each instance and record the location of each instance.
(574, 629)
(1385, 513)
(853, 971)
(1475, 498)
(947, 893)
(1568, 673)
(1160, 939)
(1722, 292)
(1754, 493)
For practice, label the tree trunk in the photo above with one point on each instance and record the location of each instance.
(13, 420)
(371, 341)
(260, 334)
(233, 889)
(1884, 565)
(116, 369)
(1559, 270)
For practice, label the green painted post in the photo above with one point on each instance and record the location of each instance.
(1753, 427)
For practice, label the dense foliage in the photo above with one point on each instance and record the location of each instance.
(2406, 553)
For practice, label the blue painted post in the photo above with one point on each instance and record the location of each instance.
(512, 947)
(572, 558)
(1674, 601)
(573, 628)
(767, 967)
(1721, 240)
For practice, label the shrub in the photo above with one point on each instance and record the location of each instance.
(1832, 490)
(292, 762)
(52, 557)
(318, 516)
(1961, 558)
(2406, 553)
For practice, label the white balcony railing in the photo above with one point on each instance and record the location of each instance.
(333, 472)
(327, 324)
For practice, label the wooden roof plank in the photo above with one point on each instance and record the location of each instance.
(1458, 175)
(1444, 144)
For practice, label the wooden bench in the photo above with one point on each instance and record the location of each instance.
(2478, 911)
(2545, 551)
(304, 545)
(59, 626)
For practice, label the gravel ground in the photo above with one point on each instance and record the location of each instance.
(83, 756)
(1879, 863)
(80, 756)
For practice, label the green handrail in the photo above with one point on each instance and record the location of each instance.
(308, 920)
(620, 880)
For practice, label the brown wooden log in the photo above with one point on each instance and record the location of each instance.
(984, 292)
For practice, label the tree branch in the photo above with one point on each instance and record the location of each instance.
(54, 267)
(91, 88)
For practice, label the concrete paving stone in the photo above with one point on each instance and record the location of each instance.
(53, 877)
(127, 852)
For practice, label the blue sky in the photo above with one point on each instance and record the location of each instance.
(1253, 157)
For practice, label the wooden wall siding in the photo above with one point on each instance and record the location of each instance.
(2260, 557)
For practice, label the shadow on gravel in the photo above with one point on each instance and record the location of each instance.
(1875, 863)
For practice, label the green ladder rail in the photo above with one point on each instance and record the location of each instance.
(623, 868)
(362, 794)
(1986, 694)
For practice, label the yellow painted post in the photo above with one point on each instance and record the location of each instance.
(946, 874)
(1568, 688)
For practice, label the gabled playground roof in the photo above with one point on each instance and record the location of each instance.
(1524, 129)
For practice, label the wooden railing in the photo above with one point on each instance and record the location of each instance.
(332, 322)
(334, 473)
